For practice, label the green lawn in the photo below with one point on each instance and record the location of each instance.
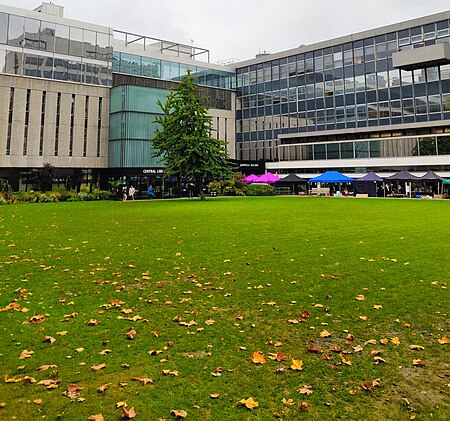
(199, 287)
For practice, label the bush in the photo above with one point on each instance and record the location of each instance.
(260, 190)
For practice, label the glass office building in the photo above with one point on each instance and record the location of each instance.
(364, 101)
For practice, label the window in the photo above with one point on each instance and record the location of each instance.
(348, 58)
(61, 39)
(86, 126)
(10, 121)
(434, 103)
(41, 135)
(72, 125)
(16, 30)
(76, 42)
(32, 31)
(3, 28)
(58, 119)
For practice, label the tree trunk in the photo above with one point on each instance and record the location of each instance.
(201, 193)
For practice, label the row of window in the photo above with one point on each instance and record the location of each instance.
(54, 38)
(371, 50)
(408, 108)
(169, 70)
(25, 64)
(373, 148)
(43, 122)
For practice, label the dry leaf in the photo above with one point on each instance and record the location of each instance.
(143, 380)
(105, 352)
(98, 367)
(178, 413)
(37, 401)
(384, 341)
(62, 333)
(128, 413)
(214, 395)
(170, 372)
(297, 365)
(98, 417)
(72, 391)
(305, 390)
(103, 388)
(395, 340)
(131, 334)
(370, 342)
(325, 334)
(421, 363)
(249, 403)
(444, 340)
(360, 298)
(377, 306)
(46, 367)
(93, 322)
(26, 354)
(49, 339)
(258, 358)
(416, 347)
(288, 401)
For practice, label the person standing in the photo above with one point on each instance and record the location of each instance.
(131, 192)
(124, 193)
(150, 193)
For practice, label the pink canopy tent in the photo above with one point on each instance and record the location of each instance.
(268, 178)
(252, 178)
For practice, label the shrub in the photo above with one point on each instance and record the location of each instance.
(260, 190)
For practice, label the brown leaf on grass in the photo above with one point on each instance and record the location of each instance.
(36, 320)
(214, 395)
(446, 372)
(249, 403)
(143, 380)
(98, 367)
(26, 354)
(336, 348)
(71, 315)
(126, 311)
(154, 352)
(93, 322)
(312, 348)
(258, 358)
(46, 367)
(72, 391)
(416, 347)
(288, 401)
(421, 363)
(297, 365)
(116, 302)
(25, 379)
(278, 356)
(344, 361)
(370, 384)
(370, 342)
(98, 417)
(360, 298)
(357, 348)
(62, 333)
(37, 401)
(128, 413)
(304, 406)
(131, 334)
(384, 341)
(325, 334)
(2, 404)
(305, 390)
(444, 340)
(178, 413)
(103, 387)
(378, 360)
(170, 372)
(11, 306)
(105, 352)
(49, 339)
(49, 383)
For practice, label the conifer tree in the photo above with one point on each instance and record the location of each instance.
(184, 138)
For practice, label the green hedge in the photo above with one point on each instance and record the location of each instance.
(260, 190)
(58, 195)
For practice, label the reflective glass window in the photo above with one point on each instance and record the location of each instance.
(76, 42)
(329, 88)
(319, 150)
(421, 105)
(408, 107)
(300, 67)
(358, 56)
(432, 74)
(320, 90)
(103, 46)
(445, 72)
(360, 83)
(3, 28)
(371, 81)
(361, 112)
(60, 69)
(2, 61)
(350, 113)
(349, 85)
(283, 71)
(362, 149)
(346, 150)
(61, 39)
(369, 53)
(348, 58)
(406, 77)
(443, 145)
(339, 87)
(32, 31)
(89, 43)
(337, 58)
(125, 63)
(419, 76)
(434, 103)
(318, 63)
(152, 68)
(328, 62)
(427, 146)
(309, 65)
(16, 30)
(333, 151)
(47, 36)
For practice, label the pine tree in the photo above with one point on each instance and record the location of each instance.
(183, 139)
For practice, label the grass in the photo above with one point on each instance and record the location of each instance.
(245, 270)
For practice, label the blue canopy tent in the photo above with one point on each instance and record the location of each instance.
(331, 177)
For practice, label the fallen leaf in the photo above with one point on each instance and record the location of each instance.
(395, 340)
(444, 340)
(72, 391)
(178, 413)
(305, 390)
(49, 339)
(416, 347)
(258, 358)
(103, 388)
(128, 413)
(37, 401)
(370, 342)
(360, 298)
(377, 306)
(214, 395)
(143, 380)
(170, 372)
(288, 401)
(26, 354)
(421, 363)
(249, 403)
(98, 367)
(93, 322)
(297, 365)
(62, 333)
(131, 334)
(98, 417)
(384, 341)
(325, 334)
(105, 352)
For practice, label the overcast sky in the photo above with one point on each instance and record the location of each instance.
(240, 29)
